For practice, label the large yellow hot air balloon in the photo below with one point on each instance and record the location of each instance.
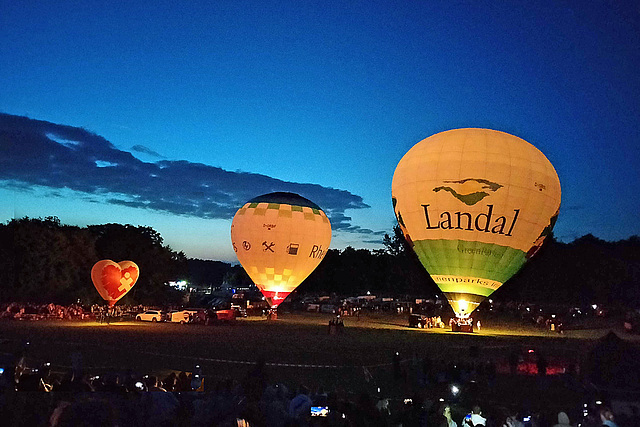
(280, 238)
(474, 204)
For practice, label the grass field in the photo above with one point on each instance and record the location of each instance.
(298, 350)
(297, 347)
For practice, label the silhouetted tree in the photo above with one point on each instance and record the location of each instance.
(143, 245)
(42, 260)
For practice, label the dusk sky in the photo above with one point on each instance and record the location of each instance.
(173, 114)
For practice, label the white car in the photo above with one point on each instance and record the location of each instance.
(150, 316)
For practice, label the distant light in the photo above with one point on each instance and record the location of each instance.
(490, 301)
(594, 306)
(454, 390)
(441, 399)
(368, 292)
(528, 308)
(531, 350)
(180, 285)
(598, 402)
(553, 315)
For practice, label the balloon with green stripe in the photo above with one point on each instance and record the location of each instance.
(474, 204)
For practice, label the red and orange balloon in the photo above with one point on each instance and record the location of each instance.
(113, 280)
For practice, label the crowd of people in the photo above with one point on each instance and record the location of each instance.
(39, 396)
(21, 311)
(50, 311)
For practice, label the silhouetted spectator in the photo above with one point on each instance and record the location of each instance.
(474, 419)
(300, 406)
(514, 357)
(184, 382)
(563, 420)
(89, 413)
(445, 419)
(169, 383)
(541, 364)
(607, 418)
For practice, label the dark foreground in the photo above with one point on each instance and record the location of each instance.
(375, 353)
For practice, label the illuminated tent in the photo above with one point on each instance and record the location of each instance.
(280, 238)
(114, 280)
(474, 204)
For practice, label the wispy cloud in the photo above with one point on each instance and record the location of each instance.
(39, 153)
(146, 150)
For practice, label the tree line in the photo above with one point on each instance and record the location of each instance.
(586, 271)
(42, 260)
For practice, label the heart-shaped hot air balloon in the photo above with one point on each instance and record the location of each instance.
(113, 280)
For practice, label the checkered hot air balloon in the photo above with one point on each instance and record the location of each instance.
(280, 238)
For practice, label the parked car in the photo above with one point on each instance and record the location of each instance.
(150, 316)
(239, 310)
(217, 316)
(417, 321)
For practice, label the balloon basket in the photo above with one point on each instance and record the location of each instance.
(462, 324)
(461, 328)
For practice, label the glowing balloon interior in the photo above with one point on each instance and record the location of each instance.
(474, 204)
(280, 238)
(114, 280)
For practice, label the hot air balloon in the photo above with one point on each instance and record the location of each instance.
(474, 204)
(113, 280)
(280, 238)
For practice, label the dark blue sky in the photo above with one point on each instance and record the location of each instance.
(327, 93)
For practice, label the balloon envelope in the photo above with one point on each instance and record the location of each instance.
(474, 204)
(114, 280)
(280, 238)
